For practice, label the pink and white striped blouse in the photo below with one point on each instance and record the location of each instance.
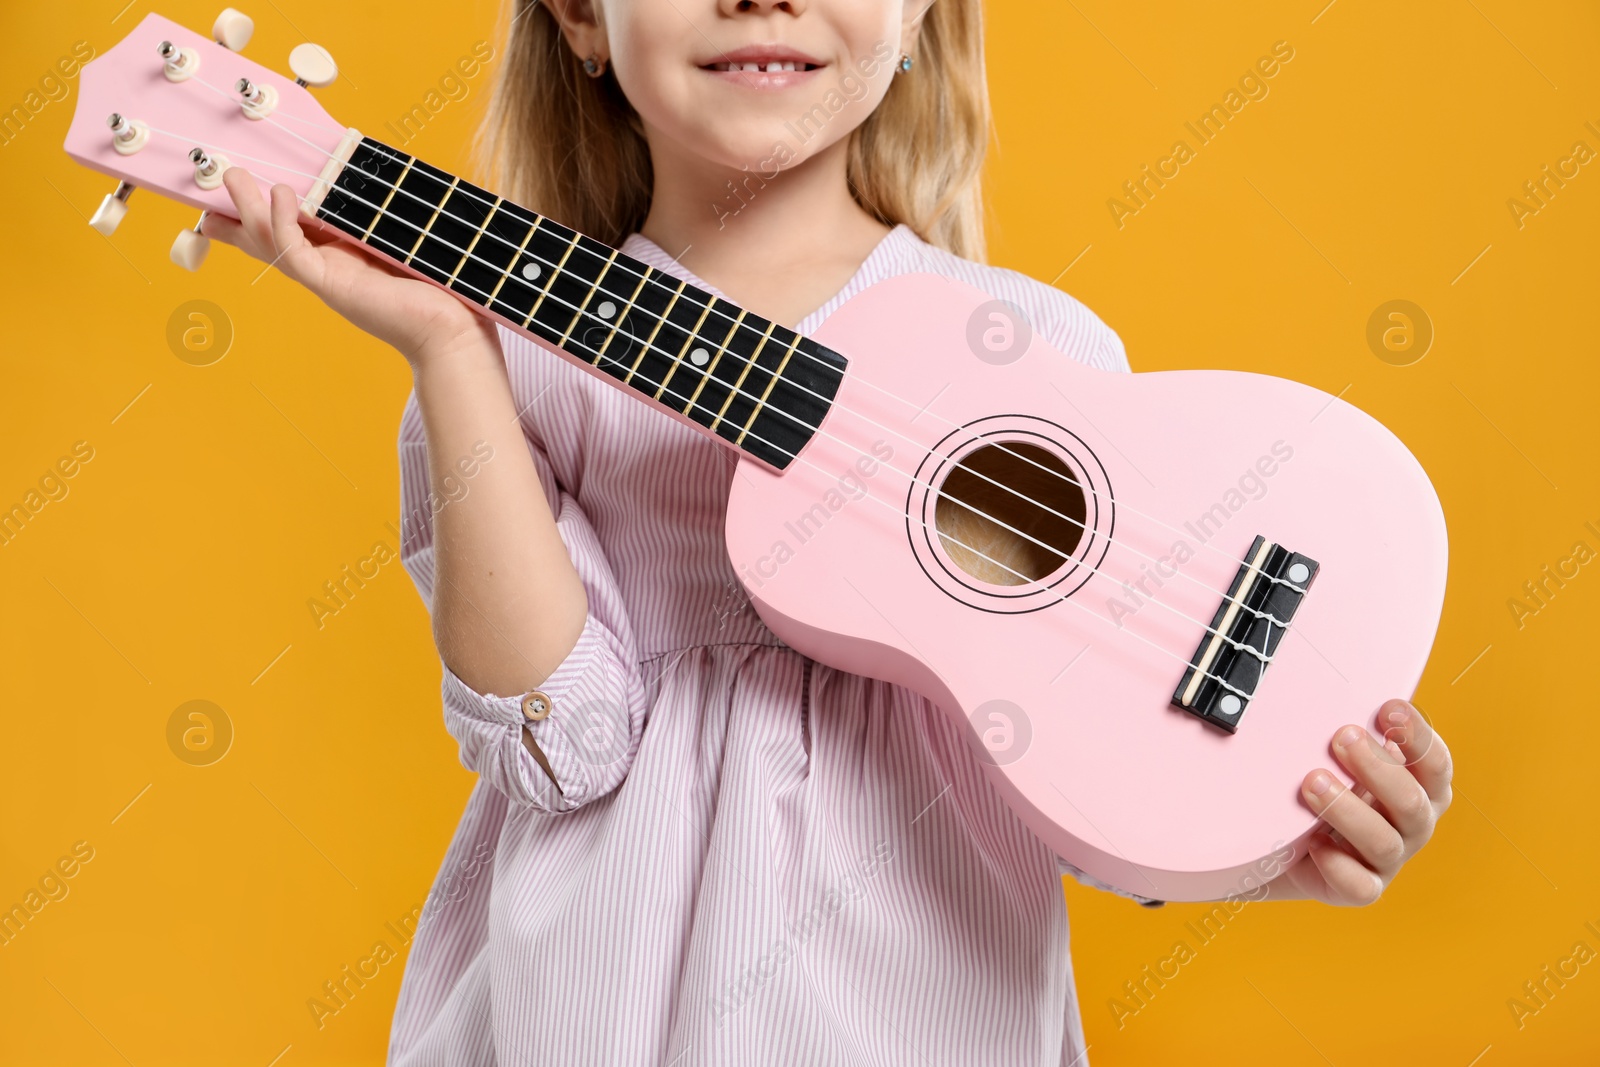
(751, 858)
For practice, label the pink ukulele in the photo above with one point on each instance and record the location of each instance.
(1150, 598)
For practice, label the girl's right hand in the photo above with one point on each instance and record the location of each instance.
(417, 318)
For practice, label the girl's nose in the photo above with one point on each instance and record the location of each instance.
(761, 7)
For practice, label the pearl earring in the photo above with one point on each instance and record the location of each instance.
(905, 63)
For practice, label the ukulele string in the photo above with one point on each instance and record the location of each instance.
(957, 464)
(1178, 657)
(737, 323)
(1240, 646)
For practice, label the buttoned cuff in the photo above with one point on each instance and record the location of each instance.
(580, 716)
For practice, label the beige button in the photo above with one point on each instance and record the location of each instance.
(536, 705)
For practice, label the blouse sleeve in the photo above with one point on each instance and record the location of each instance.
(596, 696)
(1090, 880)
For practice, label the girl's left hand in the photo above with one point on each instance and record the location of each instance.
(1402, 787)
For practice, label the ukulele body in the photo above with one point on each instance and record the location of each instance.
(1065, 685)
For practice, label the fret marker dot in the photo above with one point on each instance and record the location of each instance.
(1298, 573)
(607, 309)
(530, 271)
(1229, 704)
(699, 357)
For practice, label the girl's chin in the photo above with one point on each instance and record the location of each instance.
(759, 147)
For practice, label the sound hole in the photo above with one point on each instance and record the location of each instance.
(972, 513)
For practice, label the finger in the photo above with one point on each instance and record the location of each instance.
(236, 187)
(293, 253)
(1394, 788)
(241, 185)
(1366, 798)
(1420, 747)
(221, 228)
(320, 234)
(1348, 880)
(1366, 832)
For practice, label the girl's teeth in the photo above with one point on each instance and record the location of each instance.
(772, 67)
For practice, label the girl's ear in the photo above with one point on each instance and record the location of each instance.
(581, 25)
(911, 27)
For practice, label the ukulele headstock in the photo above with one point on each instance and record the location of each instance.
(169, 109)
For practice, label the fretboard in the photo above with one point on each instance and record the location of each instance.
(757, 386)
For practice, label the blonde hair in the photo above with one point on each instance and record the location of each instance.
(571, 147)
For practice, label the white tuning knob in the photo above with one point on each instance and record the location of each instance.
(232, 29)
(108, 216)
(312, 65)
(191, 246)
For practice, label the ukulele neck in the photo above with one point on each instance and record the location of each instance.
(751, 384)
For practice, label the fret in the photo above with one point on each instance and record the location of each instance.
(767, 392)
(649, 342)
(759, 386)
(467, 255)
(680, 352)
(647, 328)
(614, 364)
(584, 307)
(497, 244)
(431, 220)
(403, 225)
(560, 317)
(799, 401)
(536, 271)
(738, 391)
(440, 250)
(367, 234)
(754, 351)
(551, 277)
(519, 298)
(702, 410)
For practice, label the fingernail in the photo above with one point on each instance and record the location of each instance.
(1398, 718)
(1348, 736)
(1321, 782)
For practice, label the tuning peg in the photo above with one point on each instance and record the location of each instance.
(207, 168)
(108, 216)
(312, 65)
(127, 137)
(233, 28)
(178, 64)
(190, 248)
(258, 101)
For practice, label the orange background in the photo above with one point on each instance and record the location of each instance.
(177, 568)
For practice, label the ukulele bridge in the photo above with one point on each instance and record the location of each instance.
(1235, 652)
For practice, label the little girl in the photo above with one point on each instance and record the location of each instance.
(688, 843)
